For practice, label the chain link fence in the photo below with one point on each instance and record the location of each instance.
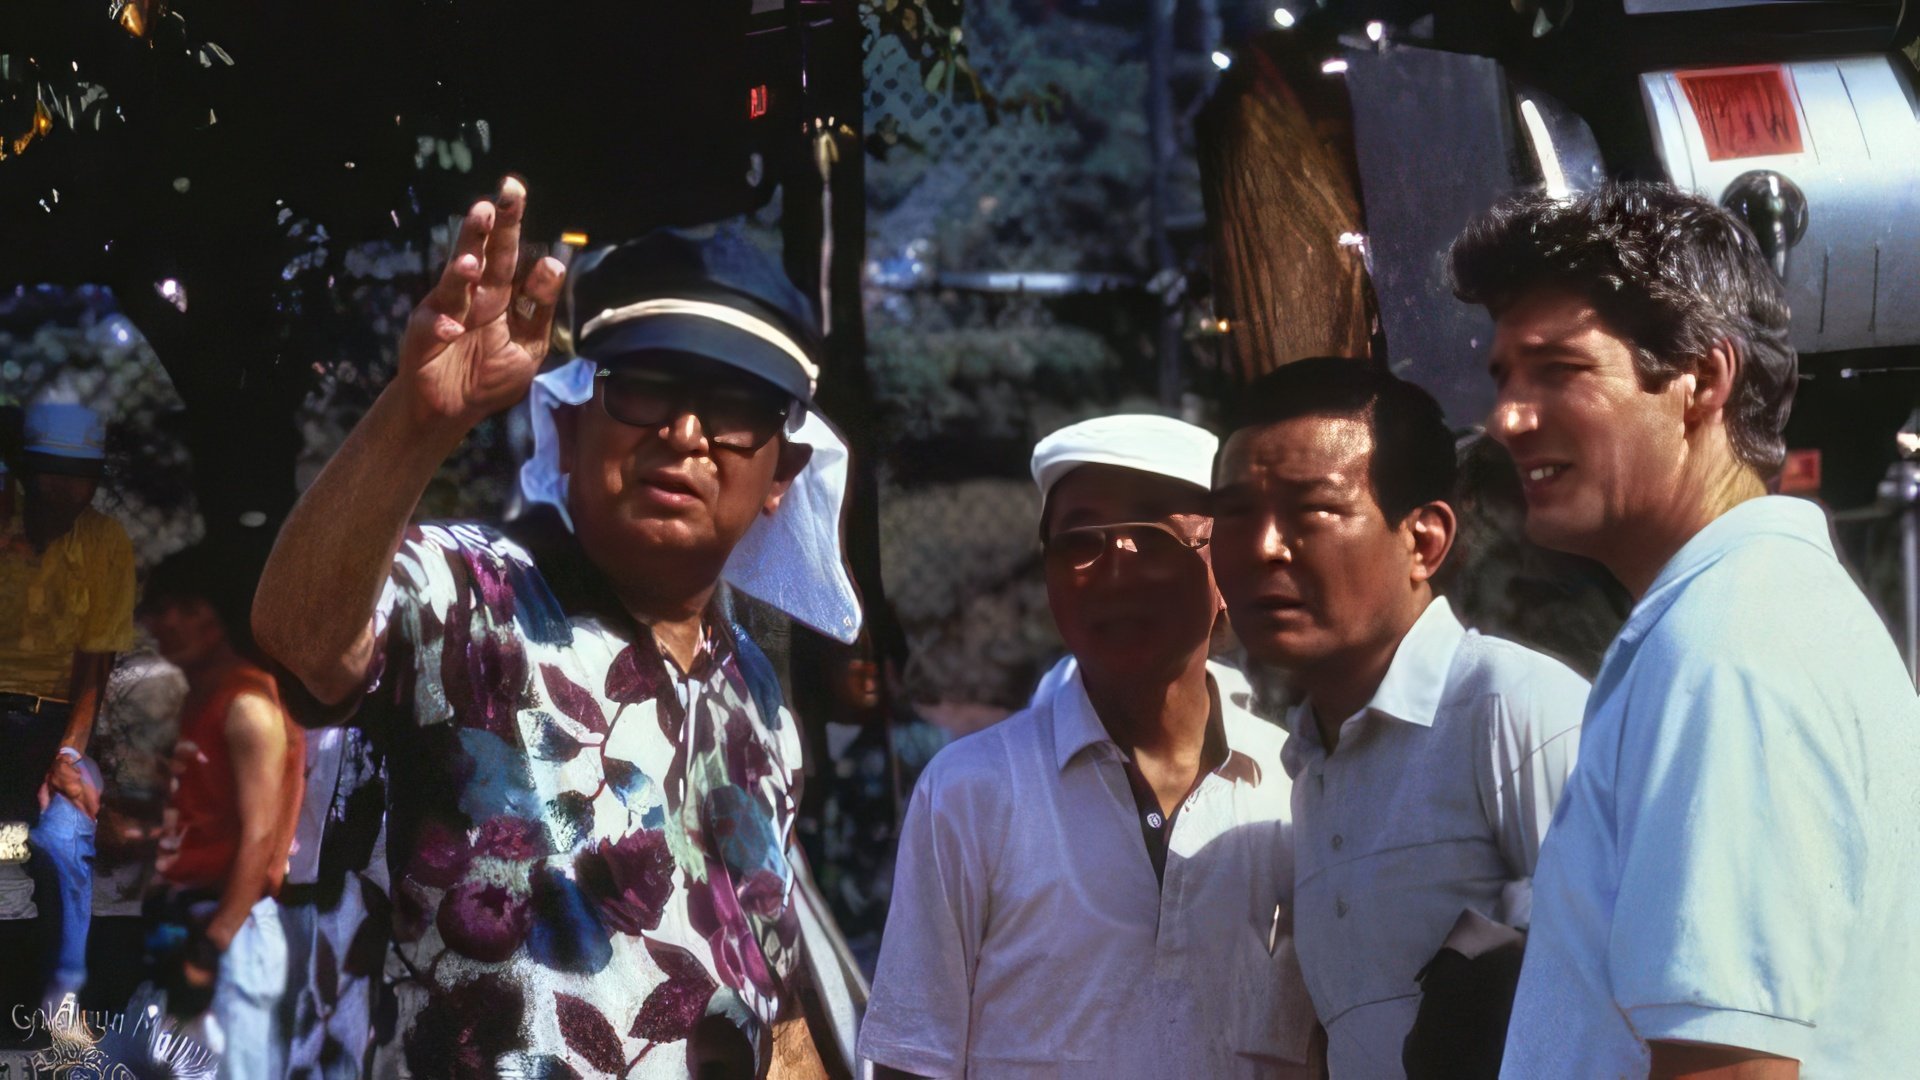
(74, 345)
(1045, 172)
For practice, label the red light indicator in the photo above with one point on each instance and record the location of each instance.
(757, 102)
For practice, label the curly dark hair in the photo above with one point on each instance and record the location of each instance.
(1670, 272)
(1412, 463)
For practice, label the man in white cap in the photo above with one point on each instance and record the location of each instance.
(590, 778)
(1101, 885)
(66, 607)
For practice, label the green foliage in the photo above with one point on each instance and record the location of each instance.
(931, 32)
(982, 382)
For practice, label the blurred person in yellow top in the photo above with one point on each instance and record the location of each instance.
(66, 607)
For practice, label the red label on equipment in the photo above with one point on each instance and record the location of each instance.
(1744, 112)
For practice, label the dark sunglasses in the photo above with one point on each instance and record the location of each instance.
(1157, 542)
(736, 417)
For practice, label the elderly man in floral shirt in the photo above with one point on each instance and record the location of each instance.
(590, 777)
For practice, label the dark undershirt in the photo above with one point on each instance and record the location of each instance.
(1156, 826)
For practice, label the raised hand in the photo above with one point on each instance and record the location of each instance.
(474, 344)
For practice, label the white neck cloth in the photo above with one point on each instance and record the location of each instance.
(791, 560)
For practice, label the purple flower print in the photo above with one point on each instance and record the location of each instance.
(674, 1006)
(715, 914)
(463, 1031)
(629, 879)
(484, 920)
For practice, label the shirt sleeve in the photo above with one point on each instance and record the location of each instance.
(1740, 845)
(918, 1018)
(109, 624)
(427, 596)
(1533, 739)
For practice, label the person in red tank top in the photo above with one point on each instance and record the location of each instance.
(236, 797)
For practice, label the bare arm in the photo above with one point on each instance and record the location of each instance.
(257, 746)
(314, 608)
(471, 348)
(1700, 1061)
(90, 672)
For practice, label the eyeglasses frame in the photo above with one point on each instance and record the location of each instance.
(1201, 539)
(795, 413)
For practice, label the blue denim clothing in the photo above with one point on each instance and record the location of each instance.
(242, 1027)
(62, 866)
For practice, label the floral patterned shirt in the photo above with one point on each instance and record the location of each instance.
(582, 868)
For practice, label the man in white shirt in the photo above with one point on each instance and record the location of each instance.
(1099, 886)
(1729, 889)
(1426, 758)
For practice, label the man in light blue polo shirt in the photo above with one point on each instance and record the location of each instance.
(1731, 886)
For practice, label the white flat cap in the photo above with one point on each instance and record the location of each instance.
(1151, 444)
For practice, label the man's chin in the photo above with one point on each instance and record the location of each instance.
(1559, 531)
(1131, 646)
(640, 537)
(1285, 651)
(1285, 639)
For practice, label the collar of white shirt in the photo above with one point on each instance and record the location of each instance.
(1076, 727)
(1416, 680)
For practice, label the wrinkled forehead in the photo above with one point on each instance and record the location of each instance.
(1312, 450)
(1096, 494)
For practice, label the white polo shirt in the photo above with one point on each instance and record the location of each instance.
(1028, 936)
(1737, 860)
(1433, 802)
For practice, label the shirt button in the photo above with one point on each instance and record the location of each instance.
(1340, 909)
(1337, 841)
(1154, 820)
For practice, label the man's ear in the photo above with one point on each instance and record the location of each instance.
(566, 421)
(793, 458)
(1430, 530)
(1709, 389)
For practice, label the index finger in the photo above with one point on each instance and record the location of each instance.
(451, 295)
